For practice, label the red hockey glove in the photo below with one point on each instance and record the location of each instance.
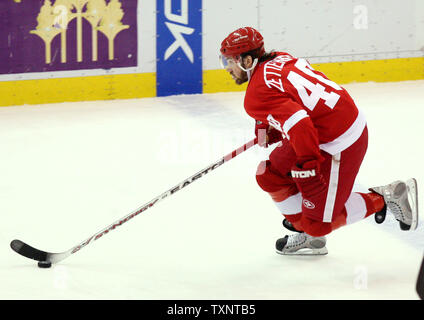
(313, 187)
(266, 134)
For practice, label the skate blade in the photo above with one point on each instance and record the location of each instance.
(305, 252)
(412, 187)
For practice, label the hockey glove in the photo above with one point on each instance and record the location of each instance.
(313, 187)
(266, 134)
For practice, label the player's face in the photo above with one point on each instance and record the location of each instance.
(232, 67)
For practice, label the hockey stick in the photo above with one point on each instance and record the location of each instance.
(43, 256)
(420, 281)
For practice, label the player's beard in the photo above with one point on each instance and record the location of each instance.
(242, 79)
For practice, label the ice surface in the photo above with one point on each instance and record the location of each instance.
(69, 170)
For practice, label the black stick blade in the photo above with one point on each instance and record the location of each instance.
(27, 251)
(420, 281)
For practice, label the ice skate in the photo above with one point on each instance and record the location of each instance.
(401, 199)
(288, 225)
(301, 244)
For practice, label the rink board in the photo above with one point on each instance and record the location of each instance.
(53, 52)
(129, 86)
(123, 86)
(341, 72)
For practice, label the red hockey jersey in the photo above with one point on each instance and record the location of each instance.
(313, 112)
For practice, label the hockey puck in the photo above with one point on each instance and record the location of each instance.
(44, 264)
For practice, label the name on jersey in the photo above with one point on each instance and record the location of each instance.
(272, 71)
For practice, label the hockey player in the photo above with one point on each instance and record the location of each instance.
(322, 139)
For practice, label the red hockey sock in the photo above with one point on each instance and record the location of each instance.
(294, 219)
(316, 228)
(373, 201)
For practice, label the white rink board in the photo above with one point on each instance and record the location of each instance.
(69, 170)
(321, 30)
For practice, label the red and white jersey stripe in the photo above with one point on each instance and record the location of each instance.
(313, 112)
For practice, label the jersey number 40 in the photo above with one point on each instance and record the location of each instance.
(317, 90)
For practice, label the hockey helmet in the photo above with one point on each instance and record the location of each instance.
(241, 41)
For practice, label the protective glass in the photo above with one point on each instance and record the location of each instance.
(226, 61)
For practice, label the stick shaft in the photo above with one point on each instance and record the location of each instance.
(164, 195)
